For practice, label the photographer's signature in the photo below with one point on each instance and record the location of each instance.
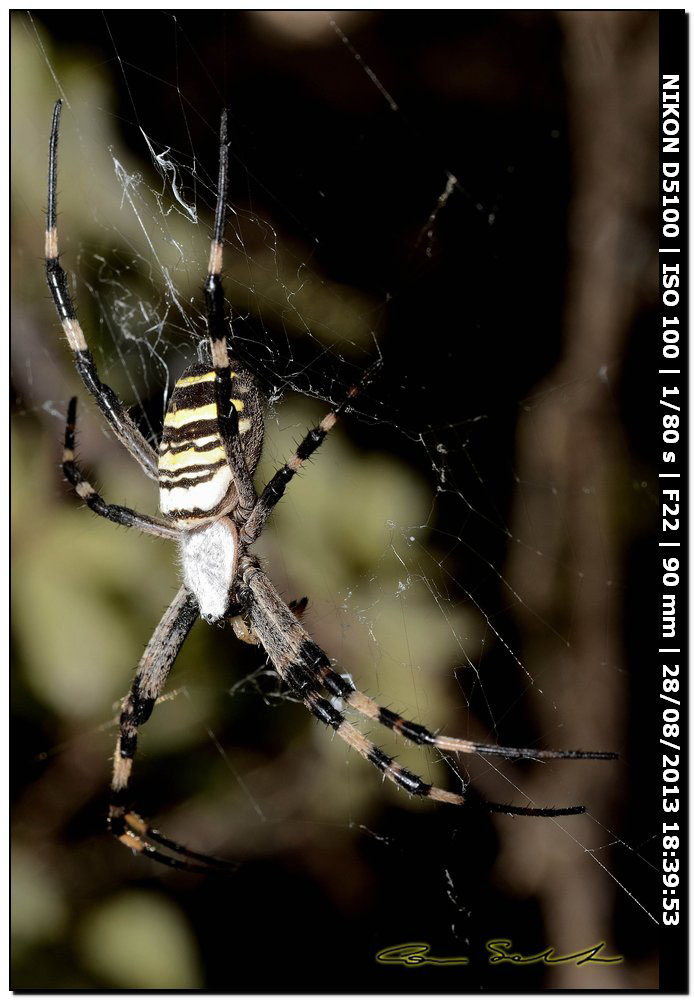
(415, 954)
(501, 952)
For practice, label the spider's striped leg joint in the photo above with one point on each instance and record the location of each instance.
(135, 712)
(96, 503)
(303, 683)
(112, 408)
(230, 429)
(137, 709)
(343, 688)
(70, 425)
(216, 324)
(214, 293)
(317, 661)
(319, 707)
(412, 783)
(410, 730)
(275, 489)
(126, 825)
(105, 396)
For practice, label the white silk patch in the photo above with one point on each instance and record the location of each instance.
(208, 556)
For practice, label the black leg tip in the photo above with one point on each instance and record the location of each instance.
(509, 810)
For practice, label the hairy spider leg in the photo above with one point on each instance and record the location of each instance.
(246, 634)
(216, 328)
(284, 639)
(343, 688)
(109, 404)
(84, 489)
(274, 491)
(138, 705)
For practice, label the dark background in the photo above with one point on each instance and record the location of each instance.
(525, 299)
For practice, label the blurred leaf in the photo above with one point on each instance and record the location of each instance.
(138, 940)
(38, 909)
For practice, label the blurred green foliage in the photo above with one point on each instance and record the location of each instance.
(140, 941)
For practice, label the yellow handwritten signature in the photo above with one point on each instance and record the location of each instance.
(416, 954)
(500, 952)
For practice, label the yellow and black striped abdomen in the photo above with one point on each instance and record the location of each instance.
(195, 481)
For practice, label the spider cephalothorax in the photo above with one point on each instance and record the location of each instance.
(209, 451)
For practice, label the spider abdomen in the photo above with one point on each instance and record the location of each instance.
(195, 480)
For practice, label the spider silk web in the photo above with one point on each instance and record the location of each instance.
(463, 536)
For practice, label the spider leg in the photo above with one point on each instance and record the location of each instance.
(274, 491)
(412, 783)
(127, 826)
(109, 404)
(246, 634)
(137, 829)
(341, 687)
(216, 329)
(310, 654)
(284, 641)
(84, 489)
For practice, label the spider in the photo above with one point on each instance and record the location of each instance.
(210, 447)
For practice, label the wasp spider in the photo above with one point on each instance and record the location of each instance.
(209, 450)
